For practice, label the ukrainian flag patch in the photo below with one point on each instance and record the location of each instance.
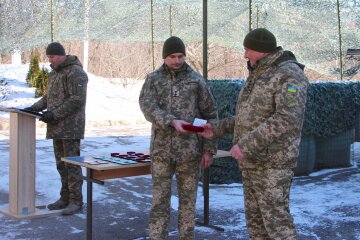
(292, 89)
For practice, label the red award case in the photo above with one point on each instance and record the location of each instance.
(193, 128)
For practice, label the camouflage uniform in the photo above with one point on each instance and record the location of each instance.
(66, 98)
(267, 128)
(167, 95)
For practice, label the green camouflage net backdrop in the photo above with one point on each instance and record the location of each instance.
(308, 28)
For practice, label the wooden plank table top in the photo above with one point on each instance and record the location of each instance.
(111, 170)
(84, 162)
(102, 166)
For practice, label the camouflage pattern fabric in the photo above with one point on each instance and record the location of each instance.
(71, 187)
(183, 94)
(266, 194)
(167, 95)
(269, 113)
(66, 98)
(267, 127)
(187, 176)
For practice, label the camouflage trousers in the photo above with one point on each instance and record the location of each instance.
(71, 187)
(266, 194)
(187, 177)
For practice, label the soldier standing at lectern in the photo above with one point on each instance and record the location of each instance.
(64, 103)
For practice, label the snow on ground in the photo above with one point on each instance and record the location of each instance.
(108, 102)
(324, 204)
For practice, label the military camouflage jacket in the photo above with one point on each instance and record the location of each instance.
(182, 94)
(66, 98)
(270, 112)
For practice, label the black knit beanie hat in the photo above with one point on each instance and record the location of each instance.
(260, 40)
(173, 45)
(55, 48)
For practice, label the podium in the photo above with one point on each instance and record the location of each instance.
(22, 167)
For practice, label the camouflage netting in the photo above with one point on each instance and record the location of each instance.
(226, 92)
(308, 28)
(330, 119)
(330, 109)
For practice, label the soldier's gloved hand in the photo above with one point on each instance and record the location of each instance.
(47, 117)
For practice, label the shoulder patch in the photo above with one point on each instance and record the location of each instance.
(292, 89)
(79, 89)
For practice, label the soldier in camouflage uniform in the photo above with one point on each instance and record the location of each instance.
(65, 101)
(267, 132)
(173, 96)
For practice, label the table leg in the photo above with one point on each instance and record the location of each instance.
(89, 174)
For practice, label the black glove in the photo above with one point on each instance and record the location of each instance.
(47, 117)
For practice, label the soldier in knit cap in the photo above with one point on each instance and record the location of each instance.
(64, 103)
(267, 133)
(171, 97)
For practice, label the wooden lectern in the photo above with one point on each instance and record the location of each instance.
(22, 167)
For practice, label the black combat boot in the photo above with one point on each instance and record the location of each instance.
(59, 204)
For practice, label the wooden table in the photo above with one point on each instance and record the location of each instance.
(97, 173)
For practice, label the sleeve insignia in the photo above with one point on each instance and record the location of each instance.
(292, 89)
